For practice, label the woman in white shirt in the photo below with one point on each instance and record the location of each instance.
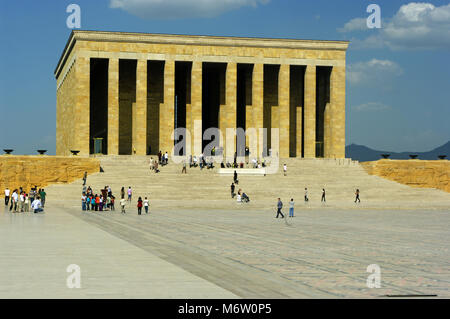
(146, 205)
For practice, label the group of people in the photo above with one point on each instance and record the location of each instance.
(163, 159)
(292, 203)
(280, 206)
(140, 203)
(102, 201)
(201, 161)
(20, 201)
(105, 200)
(241, 197)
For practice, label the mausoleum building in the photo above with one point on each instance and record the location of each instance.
(125, 93)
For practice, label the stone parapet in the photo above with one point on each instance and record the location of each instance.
(415, 173)
(28, 171)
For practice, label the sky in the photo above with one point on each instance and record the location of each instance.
(398, 76)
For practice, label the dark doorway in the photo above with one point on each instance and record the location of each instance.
(271, 74)
(127, 97)
(155, 95)
(182, 97)
(322, 100)
(213, 95)
(244, 98)
(98, 124)
(297, 102)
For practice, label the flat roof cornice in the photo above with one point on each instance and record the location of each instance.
(107, 36)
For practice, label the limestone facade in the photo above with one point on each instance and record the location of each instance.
(132, 90)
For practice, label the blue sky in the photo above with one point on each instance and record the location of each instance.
(398, 77)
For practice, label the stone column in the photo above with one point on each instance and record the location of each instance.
(258, 100)
(327, 132)
(337, 115)
(167, 109)
(284, 109)
(81, 114)
(299, 136)
(140, 110)
(248, 102)
(113, 107)
(228, 116)
(196, 107)
(310, 112)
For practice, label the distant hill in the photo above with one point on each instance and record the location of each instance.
(363, 153)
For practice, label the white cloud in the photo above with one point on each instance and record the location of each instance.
(371, 107)
(179, 9)
(356, 24)
(414, 26)
(372, 72)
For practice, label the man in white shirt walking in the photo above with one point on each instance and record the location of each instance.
(7, 193)
(14, 200)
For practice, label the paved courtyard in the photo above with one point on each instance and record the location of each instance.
(235, 253)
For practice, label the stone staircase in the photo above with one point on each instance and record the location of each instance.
(205, 188)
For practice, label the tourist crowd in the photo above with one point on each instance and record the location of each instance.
(20, 201)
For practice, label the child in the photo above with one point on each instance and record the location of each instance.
(122, 204)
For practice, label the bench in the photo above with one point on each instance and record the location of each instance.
(243, 171)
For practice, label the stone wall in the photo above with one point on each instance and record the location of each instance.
(28, 171)
(415, 173)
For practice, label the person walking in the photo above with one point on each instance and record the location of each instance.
(84, 178)
(291, 208)
(146, 205)
(233, 187)
(306, 195)
(43, 195)
(139, 206)
(279, 207)
(83, 202)
(122, 205)
(130, 193)
(184, 168)
(122, 192)
(285, 169)
(14, 199)
(7, 193)
(323, 196)
(235, 178)
(357, 196)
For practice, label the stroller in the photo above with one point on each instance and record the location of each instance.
(245, 198)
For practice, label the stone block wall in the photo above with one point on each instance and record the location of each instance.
(415, 173)
(28, 171)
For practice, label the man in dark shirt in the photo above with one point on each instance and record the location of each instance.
(279, 207)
